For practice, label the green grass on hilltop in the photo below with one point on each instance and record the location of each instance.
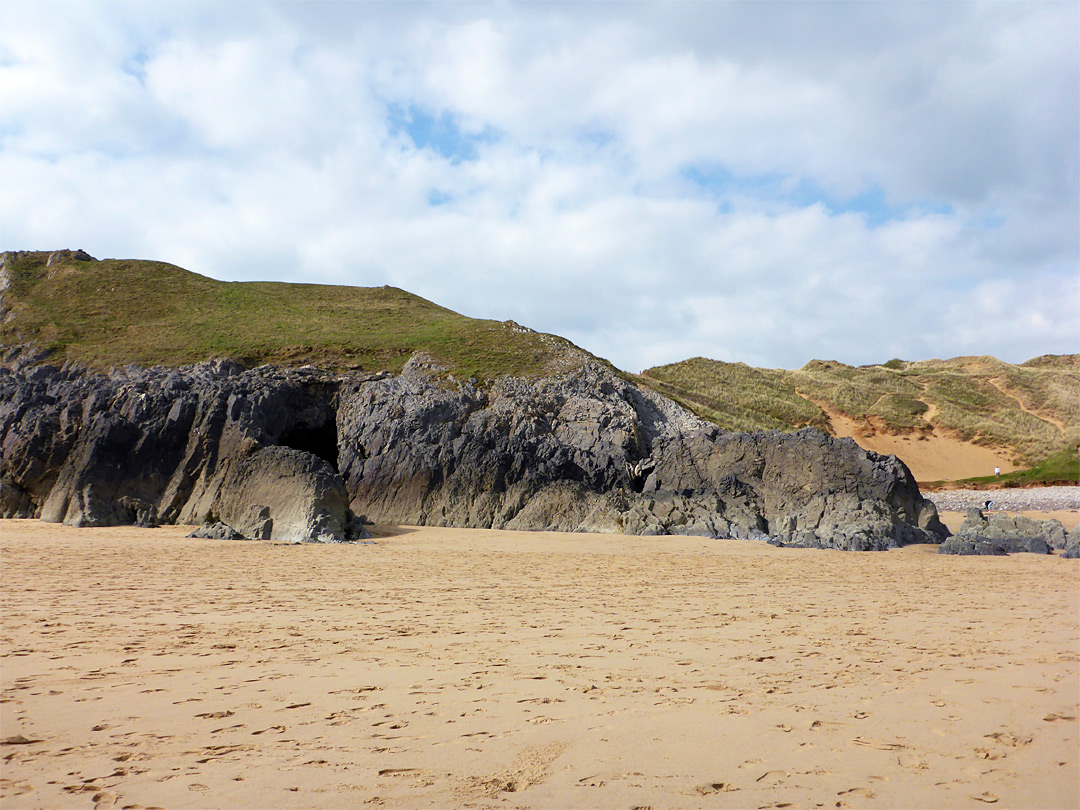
(113, 312)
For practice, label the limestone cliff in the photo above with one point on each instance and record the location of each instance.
(285, 454)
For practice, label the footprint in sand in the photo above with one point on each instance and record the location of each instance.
(880, 745)
(278, 729)
(19, 739)
(715, 787)
(771, 777)
(1008, 738)
(591, 781)
(104, 799)
(866, 793)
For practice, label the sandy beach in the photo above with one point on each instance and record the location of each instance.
(464, 668)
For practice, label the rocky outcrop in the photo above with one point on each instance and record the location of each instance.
(589, 451)
(218, 531)
(292, 454)
(999, 533)
(1072, 544)
(142, 446)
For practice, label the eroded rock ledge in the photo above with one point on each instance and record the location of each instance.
(295, 454)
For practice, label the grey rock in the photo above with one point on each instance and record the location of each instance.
(589, 451)
(282, 494)
(294, 455)
(257, 522)
(971, 544)
(355, 527)
(15, 502)
(177, 446)
(217, 531)
(1005, 533)
(68, 255)
(1072, 544)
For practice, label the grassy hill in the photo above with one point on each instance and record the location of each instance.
(112, 312)
(1032, 409)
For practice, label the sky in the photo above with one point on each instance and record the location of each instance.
(761, 182)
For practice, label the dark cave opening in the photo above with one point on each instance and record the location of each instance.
(319, 440)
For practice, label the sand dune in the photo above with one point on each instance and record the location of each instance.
(452, 668)
(936, 456)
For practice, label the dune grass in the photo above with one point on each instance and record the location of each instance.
(734, 395)
(1032, 409)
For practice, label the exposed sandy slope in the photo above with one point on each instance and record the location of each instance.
(933, 457)
(451, 668)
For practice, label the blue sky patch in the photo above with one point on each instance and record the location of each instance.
(872, 203)
(440, 134)
(597, 138)
(136, 65)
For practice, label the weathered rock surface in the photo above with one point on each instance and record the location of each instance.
(972, 545)
(157, 445)
(1072, 544)
(218, 531)
(285, 454)
(1004, 534)
(588, 451)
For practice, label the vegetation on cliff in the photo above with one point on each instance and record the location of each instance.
(112, 312)
(1031, 408)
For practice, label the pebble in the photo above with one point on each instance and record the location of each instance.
(1035, 499)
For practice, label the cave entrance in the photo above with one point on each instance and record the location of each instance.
(319, 440)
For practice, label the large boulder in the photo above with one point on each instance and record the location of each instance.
(1005, 534)
(218, 531)
(972, 545)
(283, 494)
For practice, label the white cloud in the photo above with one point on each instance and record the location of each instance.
(871, 181)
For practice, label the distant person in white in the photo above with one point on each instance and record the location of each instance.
(997, 471)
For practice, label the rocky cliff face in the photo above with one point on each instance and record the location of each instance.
(285, 454)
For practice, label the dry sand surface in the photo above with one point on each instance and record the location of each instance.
(453, 668)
